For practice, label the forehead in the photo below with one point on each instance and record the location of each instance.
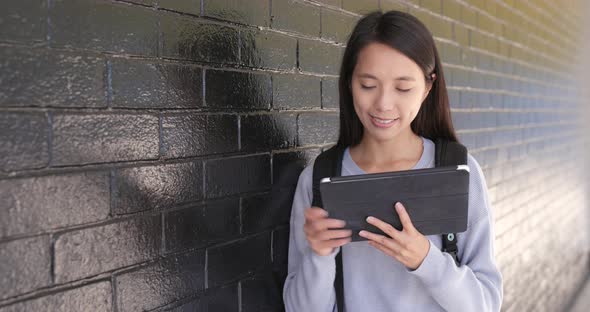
(385, 63)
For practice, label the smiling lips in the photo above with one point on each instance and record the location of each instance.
(382, 123)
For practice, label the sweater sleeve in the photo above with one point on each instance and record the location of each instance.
(310, 280)
(476, 285)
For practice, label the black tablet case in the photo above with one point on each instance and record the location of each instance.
(435, 198)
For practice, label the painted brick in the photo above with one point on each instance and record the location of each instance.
(335, 3)
(257, 12)
(154, 187)
(198, 226)
(24, 20)
(319, 57)
(336, 25)
(363, 7)
(260, 294)
(96, 138)
(91, 251)
(191, 39)
(161, 86)
(288, 15)
(96, 297)
(156, 285)
(296, 92)
(199, 304)
(432, 5)
(186, 135)
(223, 299)
(268, 50)
(266, 211)
(228, 176)
(287, 166)
(81, 24)
(24, 141)
(330, 96)
(26, 265)
(317, 128)
(388, 5)
(237, 90)
(183, 6)
(44, 203)
(268, 131)
(280, 248)
(452, 9)
(234, 260)
(40, 77)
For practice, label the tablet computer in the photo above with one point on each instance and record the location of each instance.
(436, 199)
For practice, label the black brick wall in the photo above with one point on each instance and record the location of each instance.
(149, 149)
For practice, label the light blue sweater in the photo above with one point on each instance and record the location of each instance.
(376, 282)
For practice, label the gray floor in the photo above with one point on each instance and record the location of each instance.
(582, 303)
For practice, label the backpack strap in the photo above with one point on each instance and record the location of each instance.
(450, 154)
(329, 164)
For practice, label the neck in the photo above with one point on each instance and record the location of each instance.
(401, 151)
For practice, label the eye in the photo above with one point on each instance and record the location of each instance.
(404, 90)
(367, 87)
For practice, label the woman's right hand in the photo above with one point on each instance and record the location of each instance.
(322, 233)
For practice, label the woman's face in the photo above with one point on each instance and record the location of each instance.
(387, 89)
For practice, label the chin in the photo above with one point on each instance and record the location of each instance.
(386, 134)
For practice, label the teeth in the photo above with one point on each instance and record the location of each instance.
(383, 121)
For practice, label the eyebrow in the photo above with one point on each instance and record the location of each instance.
(407, 78)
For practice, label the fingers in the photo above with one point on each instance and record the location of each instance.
(315, 226)
(385, 227)
(315, 213)
(317, 237)
(333, 234)
(316, 220)
(382, 240)
(324, 234)
(404, 217)
(319, 227)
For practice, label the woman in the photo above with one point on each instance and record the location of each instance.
(393, 105)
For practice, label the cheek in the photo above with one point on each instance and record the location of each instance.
(361, 101)
(360, 112)
(412, 106)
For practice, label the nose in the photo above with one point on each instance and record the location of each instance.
(385, 100)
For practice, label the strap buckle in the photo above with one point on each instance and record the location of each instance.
(454, 255)
(450, 246)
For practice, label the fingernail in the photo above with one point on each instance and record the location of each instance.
(369, 219)
(362, 233)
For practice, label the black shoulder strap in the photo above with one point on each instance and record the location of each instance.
(450, 154)
(329, 164)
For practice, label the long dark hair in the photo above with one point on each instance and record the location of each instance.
(409, 36)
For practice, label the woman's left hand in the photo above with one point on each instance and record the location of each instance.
(408, 246)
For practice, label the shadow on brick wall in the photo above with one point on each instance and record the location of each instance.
(239, 212)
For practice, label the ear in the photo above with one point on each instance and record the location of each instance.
(429, 84)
